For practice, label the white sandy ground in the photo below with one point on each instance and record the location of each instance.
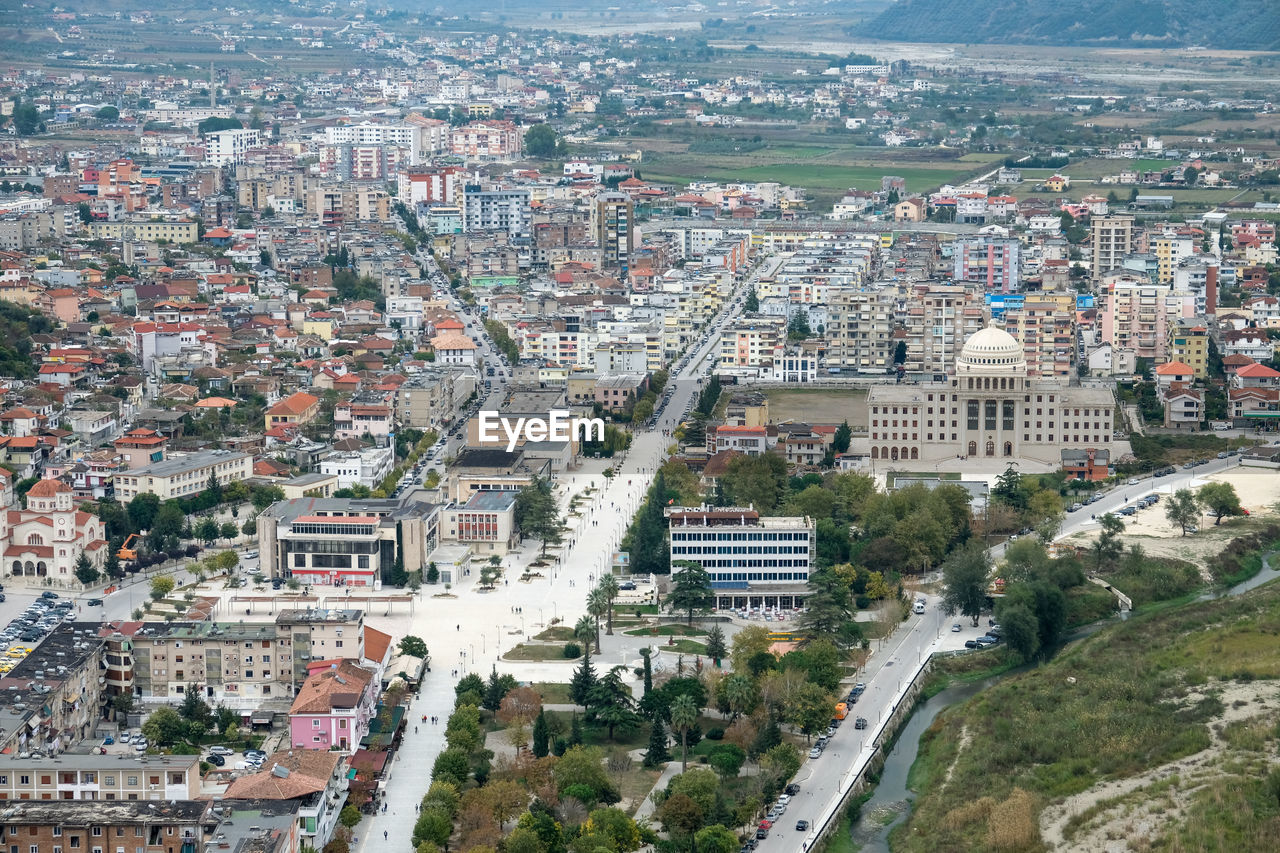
(1126, 822)
(1259, 491)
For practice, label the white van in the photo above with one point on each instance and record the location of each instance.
(919, 608)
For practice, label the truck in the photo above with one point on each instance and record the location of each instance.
(842, 710)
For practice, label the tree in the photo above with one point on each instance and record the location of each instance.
(597, 609)
(584, 678)
(1182, 509)
(609, 588)
(453, 766)
(844, 435)
(111, 568)
(537, 514)
(206, 530)
(684, 714)
(349, 817)
(611, 704)
(1108, 547)
(170, 520)
(1021, 630)
(616, 827)
(413, 647)
(142, 510)
(751, 304)
(829, 609)
(657, 753)
(164, 727)
(434, 826)
(521, 706)
(727, 759)
(1220, 499)
(229, 530)
(964, 575)
(809, 708)
(739, 693)
(85, 572)
(540, 141)
(690, 590)
(541, 736)
(161, 585)
(716, 646)
(798, 326)
(715, 839)
(759, 481)
(462, 729)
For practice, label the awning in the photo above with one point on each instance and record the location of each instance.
(262, 718)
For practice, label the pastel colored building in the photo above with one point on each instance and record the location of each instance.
(333, 708)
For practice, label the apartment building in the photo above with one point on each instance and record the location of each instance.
(333, 708)
(228, 147)
(53, 697)
(321, 634)
(939, 318)
(440, 185)
(237, 664)
(497, 210)
(613, 222)
(990, 261)
(355, 419)
(1135, 316)
(485, 523)
(429, 400)
(344, 542)
(1112, 238)
(751, 340)
(1170, 249)
(497, 140)
(150, 230)
(100, 777)
(1189, 344)
(184, 474)
(340, 204)
(1047, 330)
(755, 562)
(860, 330)
(362, 466)
(175, 826)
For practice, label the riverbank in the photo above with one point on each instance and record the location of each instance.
(1173, 710)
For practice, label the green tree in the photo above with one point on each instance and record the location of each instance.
(829, 609)
(1219, 499)
(717, 648)
(349, 817)
(537, 515)
(657, 754)
(584, 678)
(798, 326)
(207, 529)
(161, 585)
(964, 576)
(616, 826)
(715, 839)
(434, 826)
(844, 435)
(751, 304)
(541, 736)
(111, 568)
(727, 759)
(1182, 509)
(142, 510)
(453, 766)
(684, 715)
(690, 590)
(84, 570)
(611, 704)
(164, 727)
(540, 141)
(229, 530)
(1021, 631)
(809, 708)
(609, 588)
(462, 730)
(413, 646)
(1108, 547)
(758, 481)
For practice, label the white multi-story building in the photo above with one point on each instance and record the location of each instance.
(366, 467)
(497, 210)
(227, 147)
(756, 562)
(182, 475)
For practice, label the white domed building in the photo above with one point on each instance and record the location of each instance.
(989, 408)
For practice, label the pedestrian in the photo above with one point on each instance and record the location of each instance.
(415, 730)
(384, 832)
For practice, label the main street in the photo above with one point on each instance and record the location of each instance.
(492, 623)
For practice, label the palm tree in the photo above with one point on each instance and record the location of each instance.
(584, 629)
(609, 585)
(739, 692)
(684, 713)
(597, 607)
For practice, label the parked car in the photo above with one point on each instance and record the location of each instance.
(216, 760)
(49, 596)
(1128, 511)
(955, 629)
(971, 644)
(792, 789)
(221, 750)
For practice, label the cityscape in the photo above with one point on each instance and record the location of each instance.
(832, 427)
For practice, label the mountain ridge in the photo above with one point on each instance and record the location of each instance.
(1234, 24)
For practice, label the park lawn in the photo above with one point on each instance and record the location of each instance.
(687, 647)
(536, 651)
(555, 634)
(674, 630)
(552, 692)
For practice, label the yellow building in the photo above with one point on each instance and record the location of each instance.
(322, 328)
(175, 232)
(299, 408)
(1189, 343)
(1057, 184)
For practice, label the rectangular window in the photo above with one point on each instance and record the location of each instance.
(973, 414)
(990, 419)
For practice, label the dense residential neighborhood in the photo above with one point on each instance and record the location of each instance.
(718, 390)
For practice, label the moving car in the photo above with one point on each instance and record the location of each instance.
(94, 602)
(955, 628)
(802, 826)
(860, 723)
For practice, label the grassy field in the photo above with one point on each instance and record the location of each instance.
(536, 651)
(1008, 769)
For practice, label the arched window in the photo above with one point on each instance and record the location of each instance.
(17, 567)
(915, 453)
(894, 454)
(875, 453)
(35, 539)
(991, 448)
(973, 448)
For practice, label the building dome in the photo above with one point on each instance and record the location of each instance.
(992, 351)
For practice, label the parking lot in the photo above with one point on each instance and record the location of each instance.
(32, 617)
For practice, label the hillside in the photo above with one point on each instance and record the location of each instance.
(1161, 730)
(1236, 24)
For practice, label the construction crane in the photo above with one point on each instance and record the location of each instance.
(127, 553)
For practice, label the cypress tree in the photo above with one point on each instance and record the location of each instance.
(493, 692)
(575, 731)
(648, 670)
(541, 737)
(657, 753)
(584, 678)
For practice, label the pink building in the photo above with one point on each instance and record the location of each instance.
(334, 707)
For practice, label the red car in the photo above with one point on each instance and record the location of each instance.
(766, 825)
